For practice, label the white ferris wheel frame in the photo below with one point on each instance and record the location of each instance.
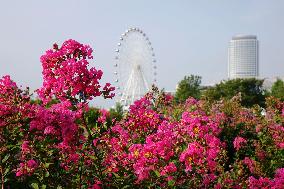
(135, 66)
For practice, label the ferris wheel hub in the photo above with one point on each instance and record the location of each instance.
(138, 67)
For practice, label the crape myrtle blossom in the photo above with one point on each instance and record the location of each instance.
(13, 102)
(142, 118)
(58, 121)
(239, 142)
(153, 155)
(278, 180)
(67, 77)
(27, 168)
(263, 182)
(192, 143)
(277, 132)
(103, 116)
(168, 169)
(251, 164)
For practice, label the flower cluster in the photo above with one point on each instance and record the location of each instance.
(67, 77)
(171, 152)
(56, 122)
(276, 183)
(27, 168)
(13, 101)
(239, 142)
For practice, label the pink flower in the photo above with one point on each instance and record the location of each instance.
(67, 77)
(171, 168)
(32, 164)
(103, 117)
(27, 168)
(191, 155)
(250, 163)
(19, 173)
(260, 154)
(6, 83)
(278, 181)
(96, 186)
(49, 130)
(74, 158)
(25, 147)
(239, 142)
(14, 102)
(259, 183)
(95, 142)
(218, 186)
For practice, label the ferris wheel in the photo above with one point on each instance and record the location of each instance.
(135, 66)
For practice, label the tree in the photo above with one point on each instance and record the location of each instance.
(189, 86)
(116, 112)
(277, 89)
(251, 91)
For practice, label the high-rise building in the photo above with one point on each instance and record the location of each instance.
(243, 57)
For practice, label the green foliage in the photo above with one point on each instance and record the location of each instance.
(251, 91)
(277, 89)
(116, 112)
(189, 86)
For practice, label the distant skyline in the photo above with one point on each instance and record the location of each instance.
(188, 37)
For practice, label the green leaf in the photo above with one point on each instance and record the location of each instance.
(171, 182)
(157, 173)
(116, 175)
(5, 158)
(126, 186)
(46, 174)
(93, 157)
(82, 127)
(11, 147)
(105, 126)
(34, 185)
(6, 172)
(43, 186)
(47, 164)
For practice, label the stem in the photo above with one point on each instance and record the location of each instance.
(90, 141)
(90, 136)
(81, 170)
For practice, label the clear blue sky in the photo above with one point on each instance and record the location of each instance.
(189, 37)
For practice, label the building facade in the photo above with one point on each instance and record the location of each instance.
(243, 57)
